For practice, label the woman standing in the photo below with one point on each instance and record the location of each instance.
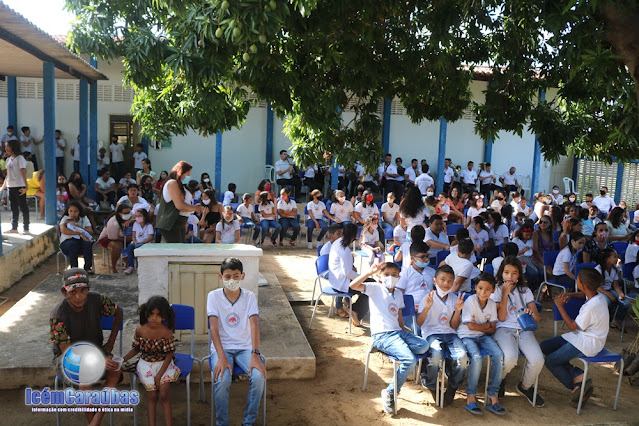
(16, 181)
(175, 204)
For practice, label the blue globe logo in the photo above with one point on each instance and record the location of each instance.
(83, 363)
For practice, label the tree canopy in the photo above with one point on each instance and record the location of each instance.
(192, 63)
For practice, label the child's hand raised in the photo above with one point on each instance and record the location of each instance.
(509, 286)
(459, 304)
(428, 301)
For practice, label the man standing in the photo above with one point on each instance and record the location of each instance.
(285, 173)
(387, 174)
(117, 158)
(469, 178)
(424, 181)
(509, 181)
(28, 143)
(449, 175)
(603, 202)
(400, 182)
(411, 173)
(487, 178)
(9, 136)
(59, 153)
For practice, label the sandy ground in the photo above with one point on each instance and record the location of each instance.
(335, 396)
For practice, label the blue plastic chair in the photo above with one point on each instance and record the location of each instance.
(237, 370)
(488, 268)
(330, 291)
(441, 255)
(319, 249)
(580, 266)
(321, 268)
(452, 228)
(184, 320)
(620, 247)
(604, 356)
(549, 261)
(407, 311)
(106, 324)
(388, 234)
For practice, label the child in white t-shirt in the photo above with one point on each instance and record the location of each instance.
(462, 266)
(247, 213)
(399, 235)
(587, 336)
(390, 212)
(478, 234)
(564, 267)
(229, 196)
(476, 207)
(192, 230)
(439, 316)
(478, 324)
(143, 233)
(611, 287)
(509, 249)
(335, 231)
(316, 213)
(387, 327)
(341, 209)
(268, 219)
(403, 254)
(138, 156)
(369, 240)
(417, 279)
(227, 230)
(235, 340)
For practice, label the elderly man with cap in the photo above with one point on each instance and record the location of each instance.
(77, 318)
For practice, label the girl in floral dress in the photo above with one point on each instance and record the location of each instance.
(154, 340)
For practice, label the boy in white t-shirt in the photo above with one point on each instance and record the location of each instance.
(439, 316)
(462, 266)
(229, 196)
(138, 156)
(479, 322)
(403, 254)
(335, 231)
(417, 279)
(235, 339)
(246, 212)
(387, 327)
(509, 249)
(587, 335)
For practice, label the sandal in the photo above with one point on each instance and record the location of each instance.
(342, 313)
(474, 408)
(496, 409)
(574, 396)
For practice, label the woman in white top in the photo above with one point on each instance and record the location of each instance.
(365, 208)
(412, 210)
(555, 196)
(618, 229)
(75, 236)
(175, 205)
(16, 181)
(341, 272)
(268, 219)
(341, 209)
(390, 212)
(316, 210)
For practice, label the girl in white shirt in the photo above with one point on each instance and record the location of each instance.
(476, 207)
(16, 182)
(497, 230)
(564, 268)
(390, 212)
(478, 234)
(227, 231)
(369, 240)
(611, 286)
(316, 210)
(143, 233)
(523, 239)
(268, 216)
(341, 209)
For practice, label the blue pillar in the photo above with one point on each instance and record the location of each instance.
(93, 132)
(443, 128)
(386, 126)
(145, 145)
(488, 150)
(575, 170)
(619, 182)
(12, 98)
(218, 162)
(84, 133)
(534, 184)
(269, 135)
(334, 176)
(50, 178)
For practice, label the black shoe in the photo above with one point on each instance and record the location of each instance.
(424, 383)
(449, 395)
(502, 389)
(528, 393)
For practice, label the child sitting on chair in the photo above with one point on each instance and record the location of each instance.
(235, 339)
(587, 335)
(369, 240)
(387, 327)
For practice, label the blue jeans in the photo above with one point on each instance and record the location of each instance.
(473, 347)
(558, 355)
(290, 222)
(565, 280)
(248, 223)
(623, 304)
(270, 223)
(403, 346)
(74, 247)
(444, 346)
(385, 225)
(223, 385)
(310, 225)
(130, 256)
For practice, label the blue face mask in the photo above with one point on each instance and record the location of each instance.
(186, 180)
(421, 264)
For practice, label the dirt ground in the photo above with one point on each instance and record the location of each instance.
(335, 396)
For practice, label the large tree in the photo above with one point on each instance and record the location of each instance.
(191, 64)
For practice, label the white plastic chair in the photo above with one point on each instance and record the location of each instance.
(569, 186)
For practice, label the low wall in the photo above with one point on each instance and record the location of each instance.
(23, 260)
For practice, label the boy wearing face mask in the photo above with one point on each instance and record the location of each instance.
(387, 326)
(555, 196)
(439, 317)
(235, 339)
(417, 279)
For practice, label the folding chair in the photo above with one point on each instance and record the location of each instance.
(237, 370)
(441, 255)
(184, 320)
(107, 324)
(330, 291)
(549, 261)
(629, 296)
(604, 356)
(408, 311)
(321, 267)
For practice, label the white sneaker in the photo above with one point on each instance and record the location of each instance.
(128, 270)
(309, 246)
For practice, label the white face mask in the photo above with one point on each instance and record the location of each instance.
(429, 193)
(571, 199)
(555, 191)
(206, 202)
(441, 293)
(389, 281)
(207, 180)
(341, 199)
(232, 285)
(126, 216)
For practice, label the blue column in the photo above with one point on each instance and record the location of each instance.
(50, 178)
(575, 171)
(218, 162)
(386, 126)
(12, 99)
(334, 176)
(488, 150)
(93, 132)
(619, 182)
(84, 133)
(145, 145)
(534, 183)
(443, 128)
(269, 135)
